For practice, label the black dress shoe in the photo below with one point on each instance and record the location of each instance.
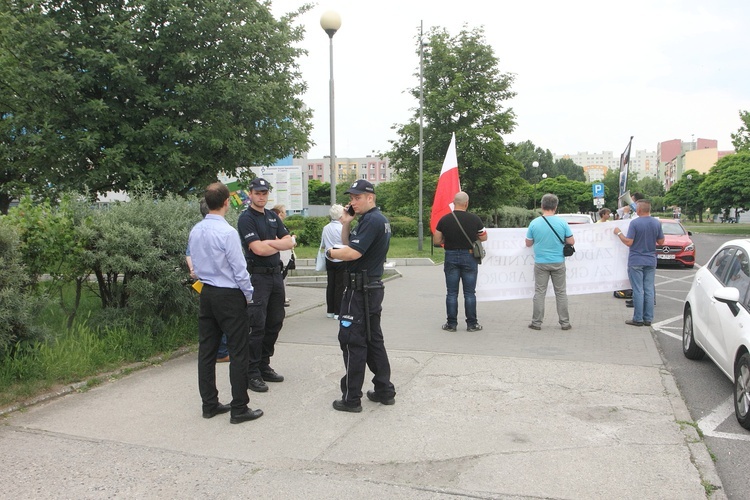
(269, 375)
(373, 396)
(257, 385)
(633, 323)
(216, 410)
(629, 303)
(341, 406)
(245, 416)
(646, 323)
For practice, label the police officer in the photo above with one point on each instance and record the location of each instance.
(364, 250)
(263, 236)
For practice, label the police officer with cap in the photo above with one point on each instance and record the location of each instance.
(263, 236)
(360, 336)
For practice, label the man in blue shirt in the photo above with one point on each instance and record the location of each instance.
(546, 234)
(217, 259)
(644, 233)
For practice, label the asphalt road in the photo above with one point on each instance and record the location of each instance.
(706, 390)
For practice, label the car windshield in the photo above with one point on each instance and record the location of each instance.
(672, 228)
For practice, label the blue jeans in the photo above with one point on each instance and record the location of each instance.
(642, 283)
(223, 349)
(460, 266)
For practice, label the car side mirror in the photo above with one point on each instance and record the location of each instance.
(730, 296)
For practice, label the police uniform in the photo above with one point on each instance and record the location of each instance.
(266, 312)
(371, 237)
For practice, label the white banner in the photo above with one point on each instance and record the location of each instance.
(600, 263)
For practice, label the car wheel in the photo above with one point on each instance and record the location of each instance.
(742, 391)
(690, 349)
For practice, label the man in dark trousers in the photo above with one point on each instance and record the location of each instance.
(460, 264)
(364, 250)
(217, 261)
(263, 236)
(644, 233)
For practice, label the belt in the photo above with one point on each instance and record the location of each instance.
(265, 270)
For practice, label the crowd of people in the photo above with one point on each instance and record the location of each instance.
(243, 297)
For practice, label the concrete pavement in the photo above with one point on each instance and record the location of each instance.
(507, 412)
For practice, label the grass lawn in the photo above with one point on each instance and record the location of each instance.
(401, 248)
(738, 230)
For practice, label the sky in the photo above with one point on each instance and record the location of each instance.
(588, 74)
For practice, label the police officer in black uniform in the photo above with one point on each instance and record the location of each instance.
(361, 339)
(263, 235)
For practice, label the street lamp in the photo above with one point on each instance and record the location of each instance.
(690, 178)
(330, 21)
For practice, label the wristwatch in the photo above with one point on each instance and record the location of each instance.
(328, 253)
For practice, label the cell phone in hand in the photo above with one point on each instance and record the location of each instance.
(350, 210)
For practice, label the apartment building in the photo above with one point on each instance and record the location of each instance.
(372, 168)
(596, 165)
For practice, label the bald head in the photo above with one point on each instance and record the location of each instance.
(461, 200)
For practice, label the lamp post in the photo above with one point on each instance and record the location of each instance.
(689, 186)
(420, 229)
(535, 164)
(330, 21)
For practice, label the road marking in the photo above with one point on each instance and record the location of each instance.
(661, 327)
(725, 410)
(710, 422)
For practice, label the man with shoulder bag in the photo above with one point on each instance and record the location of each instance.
(550, 236)
(461, 234)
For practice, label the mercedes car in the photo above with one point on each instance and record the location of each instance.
(678, 248)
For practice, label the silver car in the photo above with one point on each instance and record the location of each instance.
(716, 319)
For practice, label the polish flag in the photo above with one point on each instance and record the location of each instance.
(447, 187)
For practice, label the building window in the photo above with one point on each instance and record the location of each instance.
(372, 176)
(364, 176)
(382, 176)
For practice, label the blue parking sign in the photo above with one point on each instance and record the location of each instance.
(597, 189)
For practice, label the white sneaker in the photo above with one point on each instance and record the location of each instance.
(335, 316)
(329, 315)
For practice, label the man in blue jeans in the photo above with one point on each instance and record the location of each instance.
(460, 264)
(644, 233)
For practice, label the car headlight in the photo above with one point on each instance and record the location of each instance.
(689, 248)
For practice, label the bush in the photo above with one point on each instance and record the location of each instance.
(402, 226)
(17, 305)
(312, 231)
(137, 253)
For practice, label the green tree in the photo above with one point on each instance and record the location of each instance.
(574, 196)
(651, 187)
(464, 92)
(102, 94)
(318, 193)
(685, 194)
(741, 140)
(568, 168)
(727, 184)
(527, 153)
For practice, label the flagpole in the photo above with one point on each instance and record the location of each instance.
(420, 229)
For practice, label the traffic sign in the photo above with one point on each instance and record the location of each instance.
(597, 189)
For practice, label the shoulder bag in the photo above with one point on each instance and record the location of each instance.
(568, 249)
(476, 245)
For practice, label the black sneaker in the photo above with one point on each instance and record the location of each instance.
(270, 375)
(449, 328)
(257, 385)
(341, 406)
(373, 396)
(474, 328)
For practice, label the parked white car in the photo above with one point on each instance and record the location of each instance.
(716, 319)
(576, 218)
